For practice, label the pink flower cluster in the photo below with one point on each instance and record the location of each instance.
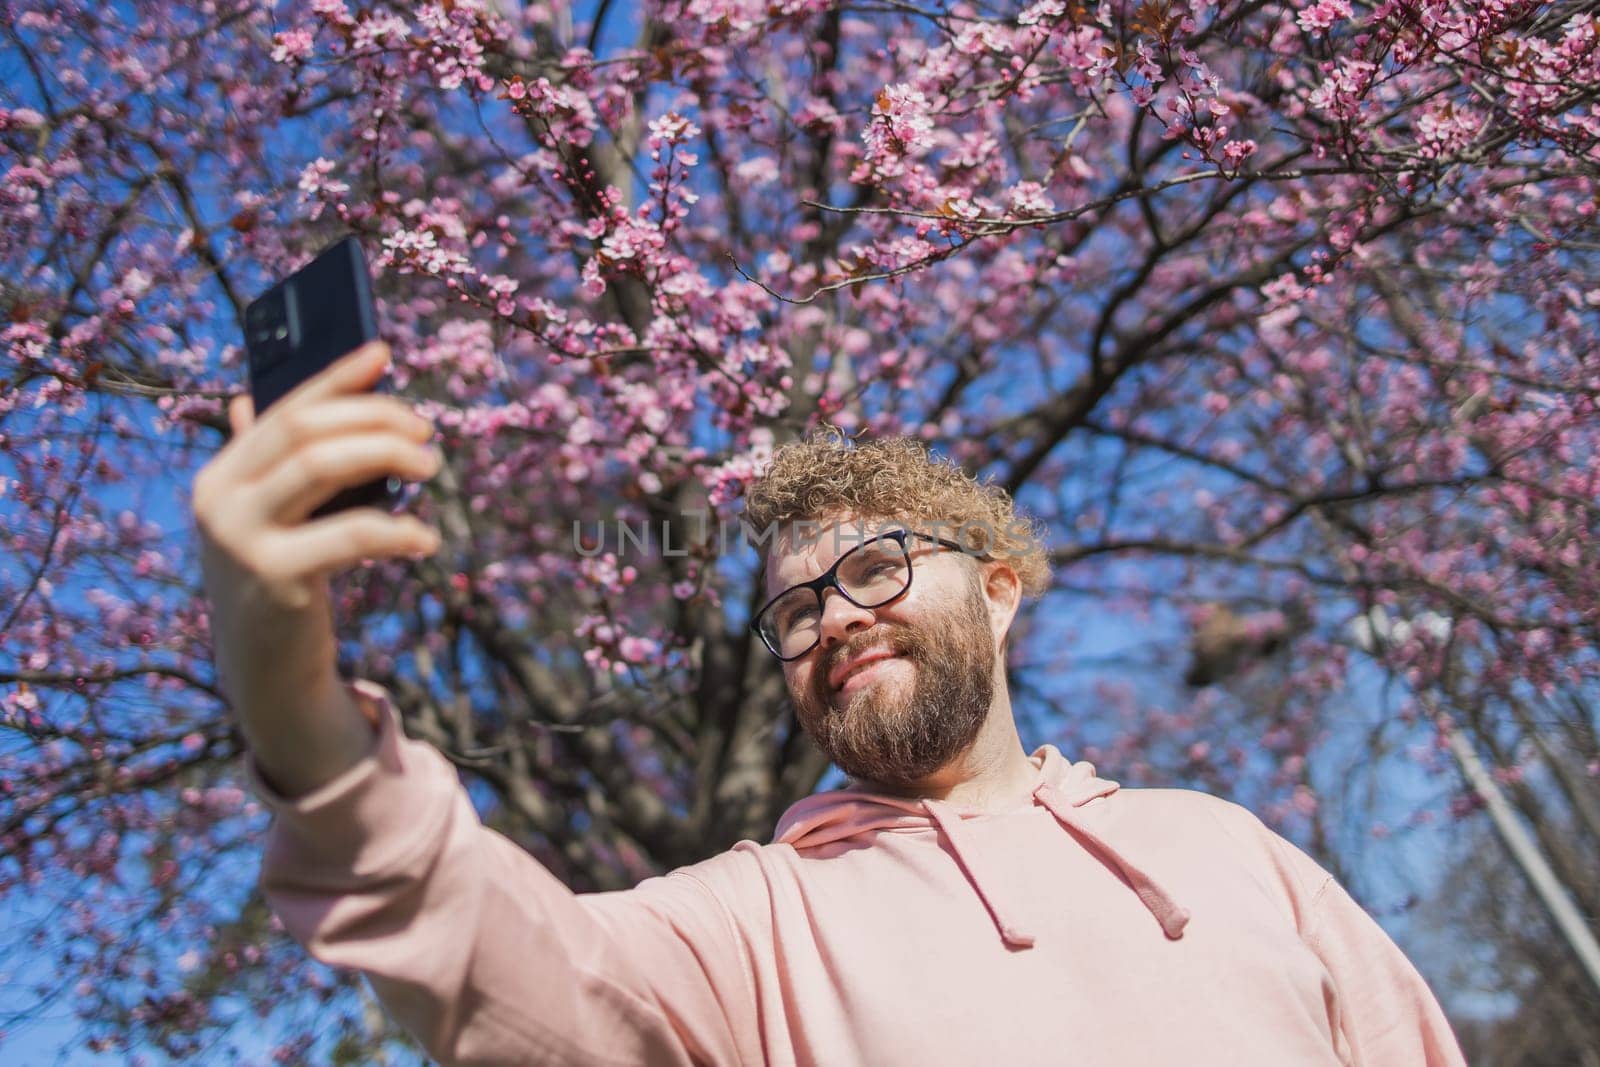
(1319, 17)
(566, 115)
(901, 127)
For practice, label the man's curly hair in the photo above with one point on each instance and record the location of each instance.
(894, 479)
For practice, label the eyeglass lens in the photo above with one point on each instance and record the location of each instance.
(871, 574)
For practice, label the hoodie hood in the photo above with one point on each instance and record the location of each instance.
(1063, 787)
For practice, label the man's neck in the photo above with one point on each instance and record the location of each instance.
(995, 773)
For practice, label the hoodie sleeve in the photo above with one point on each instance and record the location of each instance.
(479, 951)
(1386, 1014)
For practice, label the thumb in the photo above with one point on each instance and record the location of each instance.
(241, 413)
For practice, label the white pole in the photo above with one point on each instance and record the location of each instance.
(1526, 853)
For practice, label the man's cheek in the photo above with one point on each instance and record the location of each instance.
(802, 682)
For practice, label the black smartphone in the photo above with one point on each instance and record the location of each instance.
(322, 311)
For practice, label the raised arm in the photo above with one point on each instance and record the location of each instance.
(376, 860)
(266, 567)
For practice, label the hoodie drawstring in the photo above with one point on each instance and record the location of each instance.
(1064, 790)
(1172, 916)
(949, 823)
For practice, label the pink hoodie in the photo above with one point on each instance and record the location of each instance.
(1090, 925)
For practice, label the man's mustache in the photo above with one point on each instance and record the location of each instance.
(899, 640)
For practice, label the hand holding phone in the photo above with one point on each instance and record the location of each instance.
(299, 327)
(270, 537)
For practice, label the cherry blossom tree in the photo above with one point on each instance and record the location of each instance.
(1277, 314)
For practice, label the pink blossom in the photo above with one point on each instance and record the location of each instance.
(1319, 17)
(901, 124)
(292, 45)
(379, 29)
(20, 118)
(1236, 152)
(318, 187)
(1030, 198)
(1041, 11)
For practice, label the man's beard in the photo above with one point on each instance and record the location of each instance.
(879, 734)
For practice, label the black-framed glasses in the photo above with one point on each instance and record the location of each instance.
(870, 575)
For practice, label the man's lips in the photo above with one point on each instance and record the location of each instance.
(841, 673)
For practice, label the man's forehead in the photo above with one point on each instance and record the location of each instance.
(804, 548)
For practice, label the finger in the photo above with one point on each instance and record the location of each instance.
(311, 474)
(226, 468)
(344, 540)
(241, 413)
(355, 372)
(282, 430)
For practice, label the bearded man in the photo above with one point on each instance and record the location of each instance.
(961, 901)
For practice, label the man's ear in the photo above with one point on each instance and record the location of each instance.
(1002, 592)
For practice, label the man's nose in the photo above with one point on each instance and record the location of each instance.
(841, 618)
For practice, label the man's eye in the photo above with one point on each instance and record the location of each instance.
(794, 613)
(798, 616)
